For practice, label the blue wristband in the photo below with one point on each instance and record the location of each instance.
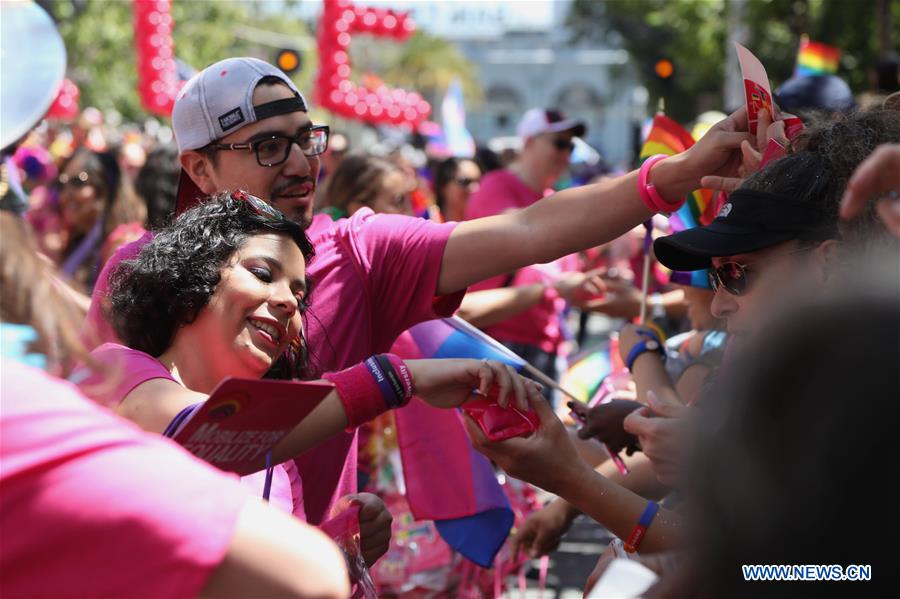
(641, 347)
(384, 385)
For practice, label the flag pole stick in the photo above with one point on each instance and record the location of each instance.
(648, 239)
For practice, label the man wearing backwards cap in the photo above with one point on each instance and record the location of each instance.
(241, 123)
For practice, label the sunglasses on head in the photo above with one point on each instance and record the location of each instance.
(732, 276)
(258, 206)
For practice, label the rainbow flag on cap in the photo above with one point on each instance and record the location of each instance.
(816, 58)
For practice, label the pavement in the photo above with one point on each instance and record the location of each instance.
(570, 564)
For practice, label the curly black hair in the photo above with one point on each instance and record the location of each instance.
(174, 276)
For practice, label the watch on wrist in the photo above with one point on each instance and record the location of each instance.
(641, 347)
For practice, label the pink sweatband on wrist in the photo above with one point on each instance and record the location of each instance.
(649, 195)
(359, 394)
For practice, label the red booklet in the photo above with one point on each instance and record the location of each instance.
(243, 419)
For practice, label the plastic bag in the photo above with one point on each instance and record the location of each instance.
(343, 528)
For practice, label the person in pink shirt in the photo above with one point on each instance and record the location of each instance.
(222, 292)
(91, 506)
(241, 123)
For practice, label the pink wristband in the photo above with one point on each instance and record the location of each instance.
(649, 195)
(359, 394)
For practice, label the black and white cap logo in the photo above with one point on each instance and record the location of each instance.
(725, 210)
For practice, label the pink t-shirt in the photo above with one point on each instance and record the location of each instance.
(540, 324)
(127, 368)
(91, 506)
(373, 277)
(502, 191)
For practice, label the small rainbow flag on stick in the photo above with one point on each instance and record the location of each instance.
(816, 58)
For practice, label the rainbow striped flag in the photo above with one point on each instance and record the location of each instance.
(668, 137)
(816, 58)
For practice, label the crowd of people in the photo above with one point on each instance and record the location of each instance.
(751, 389)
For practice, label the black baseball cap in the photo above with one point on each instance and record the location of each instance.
(753, 220)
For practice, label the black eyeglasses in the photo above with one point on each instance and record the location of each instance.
(258, 206)
(564, 145)
(77, 180)
(732, 276)
(275, 149)
(466, 181)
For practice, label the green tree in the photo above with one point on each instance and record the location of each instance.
(693, 34)
(99, 39)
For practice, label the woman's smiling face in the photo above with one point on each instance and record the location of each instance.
(255, 310)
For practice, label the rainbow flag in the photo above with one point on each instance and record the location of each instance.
(668, 137)
(446, 479)
(586, 372)
(816, 58)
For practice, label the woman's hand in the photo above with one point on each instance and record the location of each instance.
(449, 383)
(878, 174)
(546, 458)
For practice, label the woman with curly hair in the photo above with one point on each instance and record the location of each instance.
(222, 293)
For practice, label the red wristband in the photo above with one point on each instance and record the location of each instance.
(649, 195)
(359, 394)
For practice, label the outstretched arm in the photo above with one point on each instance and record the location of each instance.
(548, 459)
(583, 217)
(442, 383)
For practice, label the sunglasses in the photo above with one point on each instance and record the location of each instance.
(564, 145)
(78, 180)
(466, 181)
(258, 206)
(275, 149)
(732, 276)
